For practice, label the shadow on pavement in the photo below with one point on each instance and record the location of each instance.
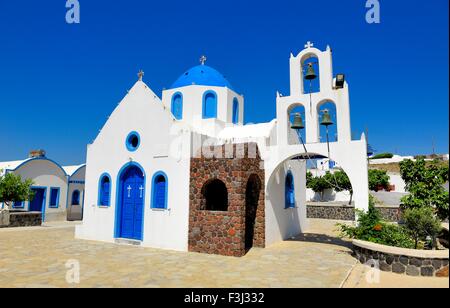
(321, 239)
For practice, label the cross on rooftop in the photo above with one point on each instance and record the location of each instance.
(309, 45)
(141, 75)
(203, 60)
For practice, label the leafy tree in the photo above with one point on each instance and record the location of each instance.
(425, 183)
(421, 223)
(378, 178)
(343, 183)
(13, 189)
(318, 184)
(309, 177)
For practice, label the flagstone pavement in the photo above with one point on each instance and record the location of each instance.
(36, 257)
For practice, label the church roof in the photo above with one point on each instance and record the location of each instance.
(71, 170)
(248, 131)
(202, 75)
(14, 165)
(11, 165)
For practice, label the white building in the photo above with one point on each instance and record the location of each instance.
(58, 190)
(154, 179)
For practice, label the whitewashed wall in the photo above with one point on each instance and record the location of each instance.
(141, 111)
(281, 223)
(75, 212)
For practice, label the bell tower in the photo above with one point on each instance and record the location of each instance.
(302, 73)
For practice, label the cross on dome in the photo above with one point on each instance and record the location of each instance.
(203, 60)
(309, 44)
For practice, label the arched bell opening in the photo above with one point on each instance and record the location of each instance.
(327, 121)
(296, 115)
(310, 74)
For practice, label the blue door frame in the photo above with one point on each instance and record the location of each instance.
(43, 202)
(130, 201)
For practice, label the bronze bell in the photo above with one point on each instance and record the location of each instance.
(298, 122)
(326, 119)
(310, 73)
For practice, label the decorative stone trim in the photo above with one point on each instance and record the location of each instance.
(412, 262)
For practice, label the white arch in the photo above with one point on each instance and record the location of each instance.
(352, 157)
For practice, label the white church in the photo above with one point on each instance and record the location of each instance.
(183, 172)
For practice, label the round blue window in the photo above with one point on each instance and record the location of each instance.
(133, 141)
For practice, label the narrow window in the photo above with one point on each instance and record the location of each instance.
(289, 191)
(76, 197)
(54, 197)
(105, 190)
(235, 111)
(159, 198)
(209, 105)
(177, 106)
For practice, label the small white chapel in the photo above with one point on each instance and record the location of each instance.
(183, 172)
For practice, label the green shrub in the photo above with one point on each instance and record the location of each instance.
(378, 178)
(382, 155)
(421, 223)
(318, 184)
(372, 228)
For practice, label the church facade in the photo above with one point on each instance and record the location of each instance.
(183, 172)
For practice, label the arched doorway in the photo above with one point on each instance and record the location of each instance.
(252, 195)
(131, 203)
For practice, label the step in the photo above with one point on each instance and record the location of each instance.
(126, 241)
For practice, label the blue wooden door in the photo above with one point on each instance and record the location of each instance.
(37, 203)
(132, 204)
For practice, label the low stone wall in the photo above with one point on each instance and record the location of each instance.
(24, 219)
(334, 212)
(410, 262)
(339, 211)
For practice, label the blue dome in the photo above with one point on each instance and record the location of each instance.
(202, 75)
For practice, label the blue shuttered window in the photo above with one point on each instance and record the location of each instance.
(235, 111)
(54, 197)
(104, 193)
(209, 105)
(159, 191)
(177, 106)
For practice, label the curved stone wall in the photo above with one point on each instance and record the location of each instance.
(410, 262)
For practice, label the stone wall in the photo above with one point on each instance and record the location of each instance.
(347, 212)
(24, 219)
(223, 233)
(402, 263)
(332, 212)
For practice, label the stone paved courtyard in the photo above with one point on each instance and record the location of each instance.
(36, 257)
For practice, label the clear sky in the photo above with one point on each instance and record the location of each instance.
(59, 82)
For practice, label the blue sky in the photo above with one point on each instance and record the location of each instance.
(59, 82)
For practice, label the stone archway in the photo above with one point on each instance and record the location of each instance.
(252, 197)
